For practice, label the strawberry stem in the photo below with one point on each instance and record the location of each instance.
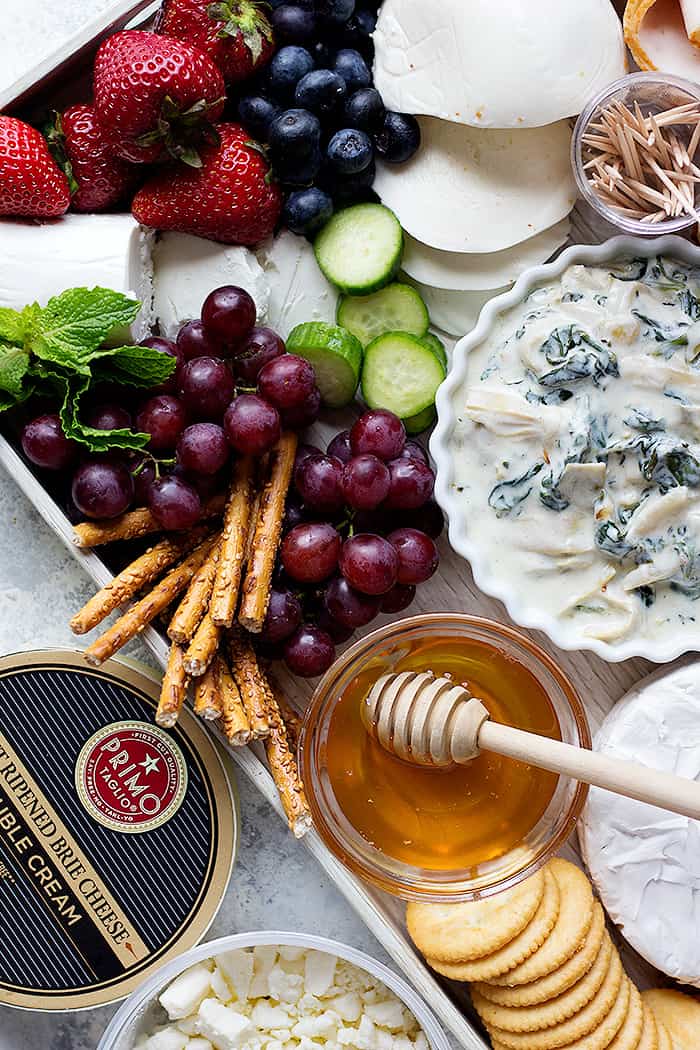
(181, 131)
(244, 18)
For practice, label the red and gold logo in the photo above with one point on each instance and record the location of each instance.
(131, 777)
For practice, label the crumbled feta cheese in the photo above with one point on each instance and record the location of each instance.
(286, 987)
(264, 958)
(237, 968)
(167, 1039)
(348, 1006)
(386, 1014)
(309, 1004)
(291, 954)
(199, 1043)
(384, 1039)
(320, 1027)
(189, 1026)
(319, 972)
(402, 1042)
(186, 992)
(223, 1026)
(265, 1015)
(420, 1042)
(220, 986)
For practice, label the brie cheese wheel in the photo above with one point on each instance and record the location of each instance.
(40, 260)
(187, 269)
(664, 34)
(500, 64)
(467, 271)
(645, 861)
(298, 290)
(471, 190)
(455, 312)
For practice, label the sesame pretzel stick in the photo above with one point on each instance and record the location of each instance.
(132, 579)
(268, 527)
(285, 772)
(208, 702)
(142, 612)
(193, 606)
(292, 720)
(227, 581)
(133, 524)
(251, 684)
(202, 649)
(234, 723)
(173, 690)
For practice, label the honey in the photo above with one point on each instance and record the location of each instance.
(443, 819)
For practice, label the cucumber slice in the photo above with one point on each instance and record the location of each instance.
(401, 374)
(433, 343)
(421, 421)
(336, 356)
(359, 249)
(396, 308)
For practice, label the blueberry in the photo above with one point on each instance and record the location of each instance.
(294, 24)
(356, 33)
(352, 68)
(365, 20)
(295, 172)
(349, 151)
(323, 54)
(321, 91)
(287, 68)
(306, 211)
(256, 114)
(336, 12)
(399, 138)
(365, 110)
(353, 189)
(294, 135)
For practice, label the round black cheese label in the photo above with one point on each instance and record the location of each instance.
(116, 837)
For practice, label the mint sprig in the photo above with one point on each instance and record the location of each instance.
(61, 348)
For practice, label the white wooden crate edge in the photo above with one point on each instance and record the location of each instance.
(370, 905)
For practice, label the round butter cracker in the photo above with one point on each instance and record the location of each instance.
(664, 1038)
(572, 925)
(630, 1032)
(526, 942)
(558, 982)
(587, 1020)
(545, 1015)
(649, 1039)
(454, 933)
(678, 1013)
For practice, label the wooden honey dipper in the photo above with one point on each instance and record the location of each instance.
(433, 722)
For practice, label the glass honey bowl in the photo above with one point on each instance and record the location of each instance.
(433, 834)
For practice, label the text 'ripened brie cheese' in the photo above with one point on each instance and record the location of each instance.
(645, 861)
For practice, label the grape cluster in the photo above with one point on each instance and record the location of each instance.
(233, 390)
(358, 537)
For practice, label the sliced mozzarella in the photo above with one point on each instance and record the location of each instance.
(455, 312)
(496, 64)
(658, 33)
(466, 271)
(468, 190)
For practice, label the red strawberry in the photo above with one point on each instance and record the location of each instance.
(97, 178)
(156, 96)
(230, 198)
(234, 33)
(31, 183)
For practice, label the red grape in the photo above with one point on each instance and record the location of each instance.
(166, 346)
(228, 314)
(309, 652)
(413, 450)
(411, 484)
(193, 341)
(303, 415)
(108, 416)
(428, 518)
(207, 386)
(174, 503)
(339, 447)
(318, 480)
(143, 472)
(418, 555)
(251, 425)
(257, 350)
(45, 444)
(203, 448)
(287, 382)
(283, 616)
(305, 450)
(379, 432)
(398, 598)
(347, 606)
(293, 513)
(338, 631)
(310, 552)
(102, 488)
(365, 482)
(164, 417)
(369, 563)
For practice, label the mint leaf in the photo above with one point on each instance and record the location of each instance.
(11, 325)
(14, 364)
(75, 323)
(133, 365)
(96, 440)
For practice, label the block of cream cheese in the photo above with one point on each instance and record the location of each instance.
(187, 268)
(644, 861)
(39, 260)
(298, 290)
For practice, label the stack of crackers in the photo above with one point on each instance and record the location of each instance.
(543, 971)
(214, 587)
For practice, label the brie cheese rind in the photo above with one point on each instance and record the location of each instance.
(40, 260)
(470, 190)
(476, 271)
(298, 290)
(642, 859)
(665, 35)
(455, 312)
(501, 64)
